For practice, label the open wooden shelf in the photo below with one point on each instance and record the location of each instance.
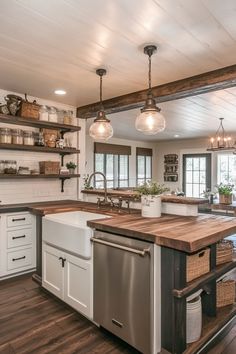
(30, 122)
(198, 283)
(211, 326)
(65, 151)
(60, 176)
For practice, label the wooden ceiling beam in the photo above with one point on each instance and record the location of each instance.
(210, 81)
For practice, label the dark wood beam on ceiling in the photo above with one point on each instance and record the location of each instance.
(211, 81)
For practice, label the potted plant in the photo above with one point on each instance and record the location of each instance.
(150, 193)
(71, 166)
(225, 193)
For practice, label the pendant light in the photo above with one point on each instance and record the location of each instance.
(221, 141)
(150, 121)
(101, 128)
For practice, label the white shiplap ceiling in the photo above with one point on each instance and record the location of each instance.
(49, 44)
(192, 117)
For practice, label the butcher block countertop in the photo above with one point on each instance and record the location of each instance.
(184, 233)
(60, 206)
(132, 194)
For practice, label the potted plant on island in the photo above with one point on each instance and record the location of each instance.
(71, 166)
(225, 193)
(150, 193)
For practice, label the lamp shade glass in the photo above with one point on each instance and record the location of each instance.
(150, 122)
(101, 130)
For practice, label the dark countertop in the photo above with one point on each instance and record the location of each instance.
(60, 206)
(185, 233)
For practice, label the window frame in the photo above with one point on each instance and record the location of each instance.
(115, 173)
(208, 157)
(145, 169)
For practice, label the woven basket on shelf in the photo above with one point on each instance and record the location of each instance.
(225, 293)
(224, 252)
(198, 264)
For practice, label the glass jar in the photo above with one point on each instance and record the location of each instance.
(17, 136)
(23, 170)
(2, 167)
(60, 116)
(43, 113)
(52, 115)
(28, 138)
(5, 136)
(10, 167)
(68, 118)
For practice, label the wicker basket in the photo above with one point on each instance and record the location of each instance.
(29, 109)
(225, 293)
(224, 252)
(198, 264)
(49, 167)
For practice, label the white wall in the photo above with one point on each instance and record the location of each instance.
(29, 190)
(132, 158)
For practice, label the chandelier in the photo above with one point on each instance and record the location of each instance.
(221, 141)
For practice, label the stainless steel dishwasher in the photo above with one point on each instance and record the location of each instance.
(123, 288)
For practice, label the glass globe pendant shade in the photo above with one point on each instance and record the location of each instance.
(150, 122)
(101, 128)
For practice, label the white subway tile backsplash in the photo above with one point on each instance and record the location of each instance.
(30, 190)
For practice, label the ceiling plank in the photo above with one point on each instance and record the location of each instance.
(210, 81)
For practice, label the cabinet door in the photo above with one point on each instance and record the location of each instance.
(53, 272)
(78, 284)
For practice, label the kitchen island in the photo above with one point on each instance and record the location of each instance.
(179, 237)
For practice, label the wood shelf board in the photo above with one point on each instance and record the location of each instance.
(211, 326)
(12, 176)
(4, 118)
(65, 151)
(198, 283)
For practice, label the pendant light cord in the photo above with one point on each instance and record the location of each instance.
(101, 104)
(149, 74)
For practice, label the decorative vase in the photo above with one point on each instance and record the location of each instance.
(151, 206)
(225, 199)
(71, 171)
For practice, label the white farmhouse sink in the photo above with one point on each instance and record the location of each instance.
(69, 231)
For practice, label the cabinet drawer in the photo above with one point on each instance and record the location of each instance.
(19, 219)
(19, 259)
(18, 238)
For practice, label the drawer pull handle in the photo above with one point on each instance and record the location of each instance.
(17, 259)
(16, 237)
(20, 219)
(117, 323)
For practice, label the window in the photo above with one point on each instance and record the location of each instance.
(144, 165)
(196, 174)
(113, 161)
(226, 168)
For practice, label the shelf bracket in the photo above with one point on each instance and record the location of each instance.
(62, 179)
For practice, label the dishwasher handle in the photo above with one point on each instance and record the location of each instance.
(121, 247)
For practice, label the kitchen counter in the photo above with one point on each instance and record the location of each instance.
(183, 233)
(132, 194)
(44, 208)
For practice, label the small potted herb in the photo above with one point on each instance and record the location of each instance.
(71, 166)
(150, 193)
(225, 193)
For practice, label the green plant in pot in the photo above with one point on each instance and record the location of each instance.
(225, 191)
(71, 166)
(150, 193)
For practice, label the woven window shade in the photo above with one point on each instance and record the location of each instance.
(143, 151)
(101, 148)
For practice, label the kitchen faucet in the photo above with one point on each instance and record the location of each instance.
(104, 201)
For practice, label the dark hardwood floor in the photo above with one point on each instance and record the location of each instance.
(33, 321)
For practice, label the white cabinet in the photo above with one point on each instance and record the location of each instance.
(17, 243)
(53, 275)
(68, 277)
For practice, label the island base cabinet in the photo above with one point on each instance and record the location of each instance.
(78, 289)
(53, 275)
(69, 278)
